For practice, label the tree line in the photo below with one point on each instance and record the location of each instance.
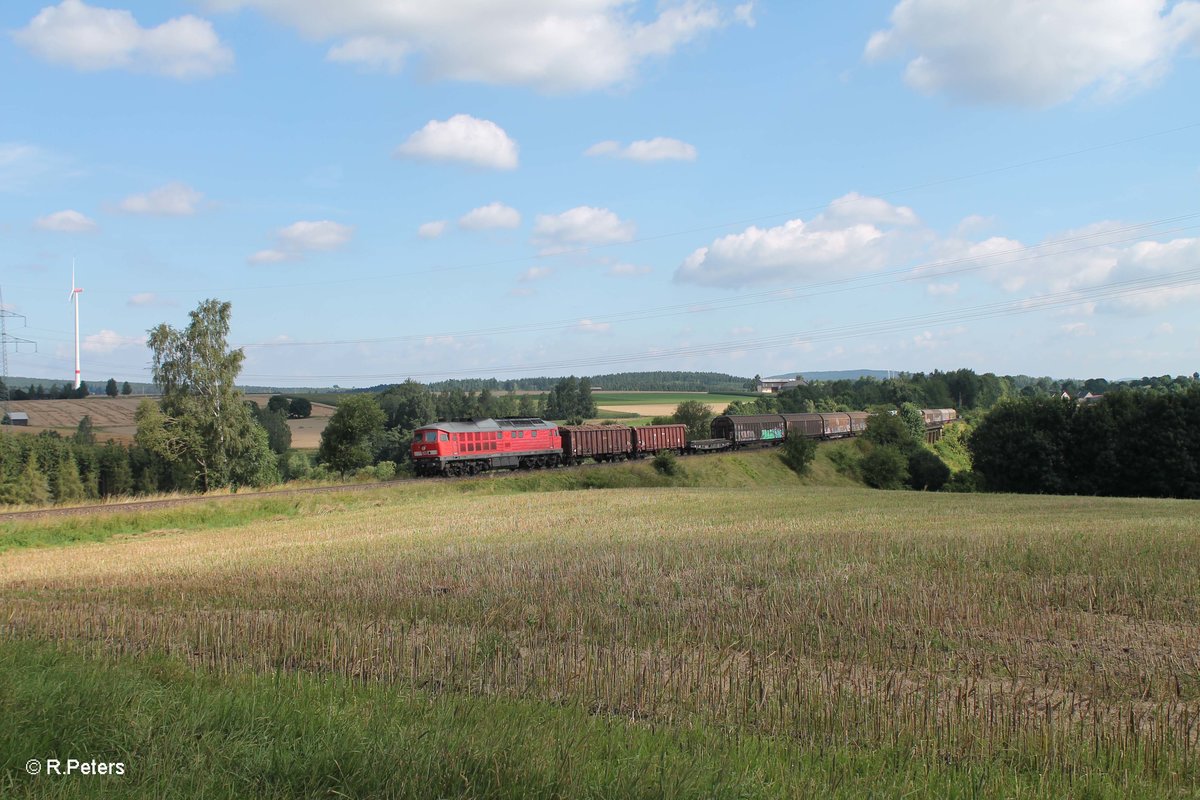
(1132, 443)
(38, 391)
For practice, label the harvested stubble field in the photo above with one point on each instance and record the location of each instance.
(934, 644)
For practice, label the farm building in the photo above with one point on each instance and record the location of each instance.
(16, 418)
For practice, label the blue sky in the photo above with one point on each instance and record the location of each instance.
(387, 189)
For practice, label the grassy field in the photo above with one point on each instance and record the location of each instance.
(695, 638)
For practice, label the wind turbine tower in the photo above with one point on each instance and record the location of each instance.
(75, 292)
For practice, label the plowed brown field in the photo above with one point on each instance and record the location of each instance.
(113, 418)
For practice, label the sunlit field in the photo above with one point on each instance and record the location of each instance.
(713, 641)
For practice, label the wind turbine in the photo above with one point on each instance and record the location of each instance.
(75, 292)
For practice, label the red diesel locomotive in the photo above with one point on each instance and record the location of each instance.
(465, 448)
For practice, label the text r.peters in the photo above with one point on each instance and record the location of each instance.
(73, 766)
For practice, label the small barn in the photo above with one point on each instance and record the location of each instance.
(16, 418)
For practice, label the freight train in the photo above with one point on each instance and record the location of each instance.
(468, 447)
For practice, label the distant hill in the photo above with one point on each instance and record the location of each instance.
(837, 375)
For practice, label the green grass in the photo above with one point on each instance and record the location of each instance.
(185, 734)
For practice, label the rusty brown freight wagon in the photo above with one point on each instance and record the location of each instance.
(744, 429)
(836, 425)
(858, 422)
(806, 426)
(651, 439)
(601, 442)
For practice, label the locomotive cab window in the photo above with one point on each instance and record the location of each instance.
(445, 437)
(430, 436)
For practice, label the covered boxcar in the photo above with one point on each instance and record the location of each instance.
(807, 426)
(651, 439)
(600, 442)
(836, 425)
(858, 422)
(937, 417)
(465, 447)
(747, 429)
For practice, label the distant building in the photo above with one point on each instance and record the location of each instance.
(777, 385)
(16, 418)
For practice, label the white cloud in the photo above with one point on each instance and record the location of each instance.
(554, 45)
(464, 139)
(174, 199)
(855, 234)
(374, 53)
(588, 326)
(1164, 328)
(535, 273)
(1035, 54)
(580, 226)
(1077, 329)
(493, 215)
(90, 39)
(432, 230)
(107, 341)
(68, 221)
(742, 330)
(22, 165)
(315, 235)
(658, 149)
(269, 257)
(941, 289)
(303, 237)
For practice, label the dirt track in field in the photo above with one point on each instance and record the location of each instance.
(654, 409)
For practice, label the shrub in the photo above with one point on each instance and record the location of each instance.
(965, 481)
(665, 463)
(885, 467)
(385, 470)
(798, 453)
(926, 471)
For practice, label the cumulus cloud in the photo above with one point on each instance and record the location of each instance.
(658, 149)
(1034, 54)
(306, 236)
(493, 215)
(535, 273)
(432, 230)
(68, 221)
(22, 165)
(174, 199)
(855, 234)
(580, 226)
(107, 341)
(319, 235)
(374, 53)
(269, 257)
(588, 326)
(89, 39)
(463, 139)
(564, 45)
